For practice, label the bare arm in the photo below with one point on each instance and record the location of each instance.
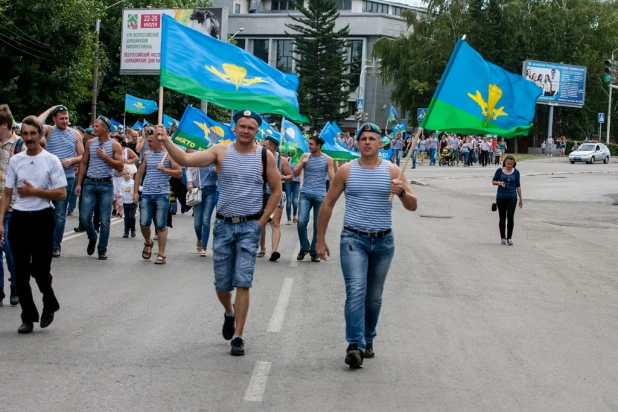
(4, 203)
(139, 145)
(79, 148)
(175, 171)
(43, 116)
(83, 166)
(133, 158)
(521, 199)
(337, 186)
(117, 162)
(331, 168)
(409, 200)
(138, 179)
(202, 158)
(273, 179)
(287, 173)
(301, 164)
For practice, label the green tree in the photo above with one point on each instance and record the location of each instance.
(321, 62)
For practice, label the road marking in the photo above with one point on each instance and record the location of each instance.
(257, 384)
(282, 304)
(294, 261)
(74, 235)
(72, 231)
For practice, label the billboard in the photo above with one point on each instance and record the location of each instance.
(562, 84)
(140, 49)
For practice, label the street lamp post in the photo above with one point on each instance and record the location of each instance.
(239, 30)
(609, 108)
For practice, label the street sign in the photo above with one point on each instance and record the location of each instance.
(601, 118)
(359, 104)
(420, 114)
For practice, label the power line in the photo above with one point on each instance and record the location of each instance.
(32, 39)
(20, 44)
(23, 51)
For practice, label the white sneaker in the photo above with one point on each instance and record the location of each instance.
(503, 242)
(509, 242)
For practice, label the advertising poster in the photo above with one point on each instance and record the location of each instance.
(562, 84)
(141, 34)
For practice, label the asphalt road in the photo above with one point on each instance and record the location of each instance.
(466, 325)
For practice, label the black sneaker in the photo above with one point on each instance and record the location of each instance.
(228, 327)
(315, 258)
(26, 327)
(369, 353)
(14, 297)
(103, 255)
(114, 212)
(79, 229)
(91, 246)
(69, 213)
(301, 254)
(238, 347)
(46, 318)
(354, 357)
(126, 235)
(56, 252)
(133, 233)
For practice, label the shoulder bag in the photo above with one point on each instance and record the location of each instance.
(194, 196)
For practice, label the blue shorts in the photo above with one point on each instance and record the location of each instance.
(234, 253)
(155, 206)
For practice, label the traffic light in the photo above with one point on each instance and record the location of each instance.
(610, 70)
(359, 115)
(377, 69)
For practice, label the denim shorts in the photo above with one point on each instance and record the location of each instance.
(234, 253)
(154, 206)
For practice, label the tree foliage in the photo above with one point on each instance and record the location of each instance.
(321, 62)
(507, 32)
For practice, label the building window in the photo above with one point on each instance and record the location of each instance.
(260, 49)
(236, 8)
(373, 7)
(344, 4)
(397, 11)
(285, 4)
(241, 43)
(355, 58)
(285, 60)
(351, 109)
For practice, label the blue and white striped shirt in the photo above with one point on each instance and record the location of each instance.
(157, 182)
(315, 174)
(367, 193)
(63, 145)
(97, 167)
(294, 178)
(240, 183)
(280, 167)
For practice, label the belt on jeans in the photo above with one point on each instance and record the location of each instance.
(99, 179)
(368, 234)
(239, 219)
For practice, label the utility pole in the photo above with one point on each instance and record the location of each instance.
(95, 75)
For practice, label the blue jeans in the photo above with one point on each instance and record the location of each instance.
(72, 198)
(308, 201)
(154, 207)
(202, 213)
(466, 156)
(397, 156)
(414, 154)
(432, 155)
(99, 194)
(365, 262)
(6, 248)
(234, 253)
(292, 192)
(60, 213)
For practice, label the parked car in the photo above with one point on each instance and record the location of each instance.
(590, 153)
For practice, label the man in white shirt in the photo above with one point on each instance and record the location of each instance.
(550, 145)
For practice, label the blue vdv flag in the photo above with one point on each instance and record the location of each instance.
(138, 125)
(197, 131)
(136, 105)
(115, 125)
(392, 115)
(266, 129)
(168, 121)
(293, 135)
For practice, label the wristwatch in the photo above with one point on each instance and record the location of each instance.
(403, 193)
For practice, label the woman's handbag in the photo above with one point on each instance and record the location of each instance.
(494, 207)
(194, 196)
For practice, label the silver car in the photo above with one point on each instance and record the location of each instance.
(590, 153)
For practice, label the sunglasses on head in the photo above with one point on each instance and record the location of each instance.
(59, 109)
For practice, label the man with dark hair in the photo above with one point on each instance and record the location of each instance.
(10, 144)
(317, 167)
(66, 144)
(101, 156)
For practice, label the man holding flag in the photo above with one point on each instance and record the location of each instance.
(243, 167)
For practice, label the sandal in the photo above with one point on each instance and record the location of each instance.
(160, 260)
(261, 253)
(295, 220)
(203, 253)
(289, 222)
(147, 254)
(198, 247)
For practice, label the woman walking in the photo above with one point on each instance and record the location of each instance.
(509, 189)
(38, 178)
(205, 179)
(292, 193)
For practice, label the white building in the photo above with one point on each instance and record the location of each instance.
(264, 26)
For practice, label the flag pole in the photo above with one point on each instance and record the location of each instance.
(407, 160)
(160, 121)
(124, 121)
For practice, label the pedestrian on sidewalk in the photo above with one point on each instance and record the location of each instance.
(242, 167)
(367, 242)
(205, 179)
(38, 178)
(292, 193)
(509, 189)
(65, 143)
(101, 156)
(11, 144)
(128, 204)
(155, 199)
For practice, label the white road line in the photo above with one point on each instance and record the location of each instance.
(72, 231)
(294, 261)
(74, 235)
(257, 384)
(282, 304)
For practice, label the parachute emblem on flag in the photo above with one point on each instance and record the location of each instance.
(488, 108)
(139, 105)
(234, 74)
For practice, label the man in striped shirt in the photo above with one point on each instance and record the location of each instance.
(367, 242)
(66, 144)
(240, 215)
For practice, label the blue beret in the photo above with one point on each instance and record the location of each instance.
(368, 127)
(106, 121)
(272, 139)
(248, 113)
(89, 130)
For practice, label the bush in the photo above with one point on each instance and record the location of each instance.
(613, 148)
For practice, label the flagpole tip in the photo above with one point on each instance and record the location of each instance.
(463, 37)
